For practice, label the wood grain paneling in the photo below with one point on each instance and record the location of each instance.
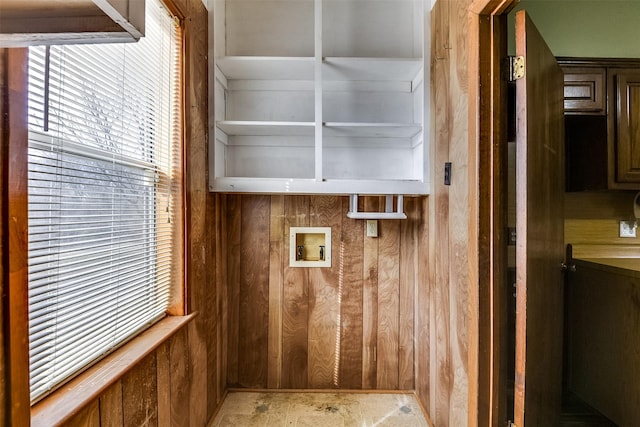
(323, 327)
(223, 294)
(296, 303)
(350, 256)
(277, 258)
(592, 218)
(442, 103)
(348, 326)
(254, 291)
(200, 255)
(88, 417)
(451, 227)
(407, 296)
(370, 303)
(423, 334)
(163, 380)
(141, 382)
(388, 304)
(233, 233)
(179, 380)
(111, 406)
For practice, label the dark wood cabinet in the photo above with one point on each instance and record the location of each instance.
(625, 88)
(585, 90)
(602, 124)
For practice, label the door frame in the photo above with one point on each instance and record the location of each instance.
(488, 212)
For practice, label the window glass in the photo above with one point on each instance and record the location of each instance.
(104, 196)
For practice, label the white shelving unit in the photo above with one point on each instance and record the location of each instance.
(320, 96)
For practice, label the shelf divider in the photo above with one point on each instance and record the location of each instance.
(318, 89)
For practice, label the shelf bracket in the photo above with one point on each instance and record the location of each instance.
(388, 213)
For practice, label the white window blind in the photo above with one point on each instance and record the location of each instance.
(105, 183)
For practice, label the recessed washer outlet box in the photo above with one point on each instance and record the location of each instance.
(310, 247)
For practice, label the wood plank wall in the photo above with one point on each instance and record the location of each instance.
(592, 218)
(445, 391)
(154, 393)
(350, 326)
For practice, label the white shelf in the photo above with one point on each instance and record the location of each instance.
(330, 129)
(259, 128)
(311, 186)
(333, 68)
(372, 130)
(381, 69)
(266, 67)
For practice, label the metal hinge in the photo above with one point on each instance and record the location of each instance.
(515, 68)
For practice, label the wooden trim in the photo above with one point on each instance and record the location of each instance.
(488, 189)
(13, 89)
(200, 234)
(566, 61)
(70, 399)
(475, 205)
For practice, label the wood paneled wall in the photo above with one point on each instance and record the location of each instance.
(350, 326)
(154, 393)
(445, 391)
(593, 217)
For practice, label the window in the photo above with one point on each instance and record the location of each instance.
(105, 196)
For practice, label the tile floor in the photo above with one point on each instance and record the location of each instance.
(293, 409)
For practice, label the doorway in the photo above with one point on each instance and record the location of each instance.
(495, 285)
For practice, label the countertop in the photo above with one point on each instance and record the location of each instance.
(625, 266)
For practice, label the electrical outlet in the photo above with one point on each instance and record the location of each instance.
(628, 228)
(372, 228)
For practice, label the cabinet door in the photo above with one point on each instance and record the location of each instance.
(627, 108)
(584, 90)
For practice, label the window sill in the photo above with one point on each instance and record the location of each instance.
(72, 397)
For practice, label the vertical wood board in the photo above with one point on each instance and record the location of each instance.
(370, 304)
(140, 396)
(254, 292)
(277, 258)
(324, 300)
(296, 303)
(350, 258)
(111, 405)
(388, 304)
